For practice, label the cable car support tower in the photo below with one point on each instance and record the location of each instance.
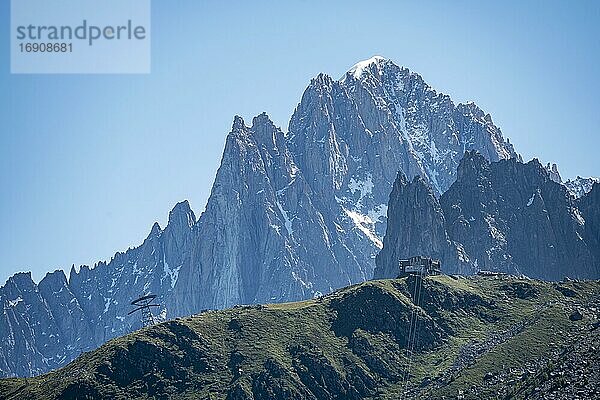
(143, 304)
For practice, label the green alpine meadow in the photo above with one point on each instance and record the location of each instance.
(495, 337)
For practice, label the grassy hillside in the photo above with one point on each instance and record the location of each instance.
(476, 338)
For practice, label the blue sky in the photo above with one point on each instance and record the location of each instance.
(89, 162)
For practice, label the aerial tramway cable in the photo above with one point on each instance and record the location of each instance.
(408, 341)
(413, 330)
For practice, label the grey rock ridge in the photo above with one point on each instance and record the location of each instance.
(502, 216)
(45, 325)
(291, 215)
(579, 186)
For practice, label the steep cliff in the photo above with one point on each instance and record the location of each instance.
(503, 216)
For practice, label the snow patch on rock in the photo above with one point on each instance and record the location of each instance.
(366, 225)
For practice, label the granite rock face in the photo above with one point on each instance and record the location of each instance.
(291, 215)
(417, 226)
(502, 216)
(589, 205)
(42, 325)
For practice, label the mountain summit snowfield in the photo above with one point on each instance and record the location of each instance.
(357, 70)
(292, 215)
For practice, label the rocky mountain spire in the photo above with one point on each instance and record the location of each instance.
(502, 216)
(416, 226)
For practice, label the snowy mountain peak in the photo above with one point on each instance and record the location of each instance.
(360, 67)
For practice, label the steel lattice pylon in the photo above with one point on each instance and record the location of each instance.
(143, 304)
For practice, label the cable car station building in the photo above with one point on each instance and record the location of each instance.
(419, 265)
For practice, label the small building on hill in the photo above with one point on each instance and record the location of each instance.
(420, 265)
(482, 272)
